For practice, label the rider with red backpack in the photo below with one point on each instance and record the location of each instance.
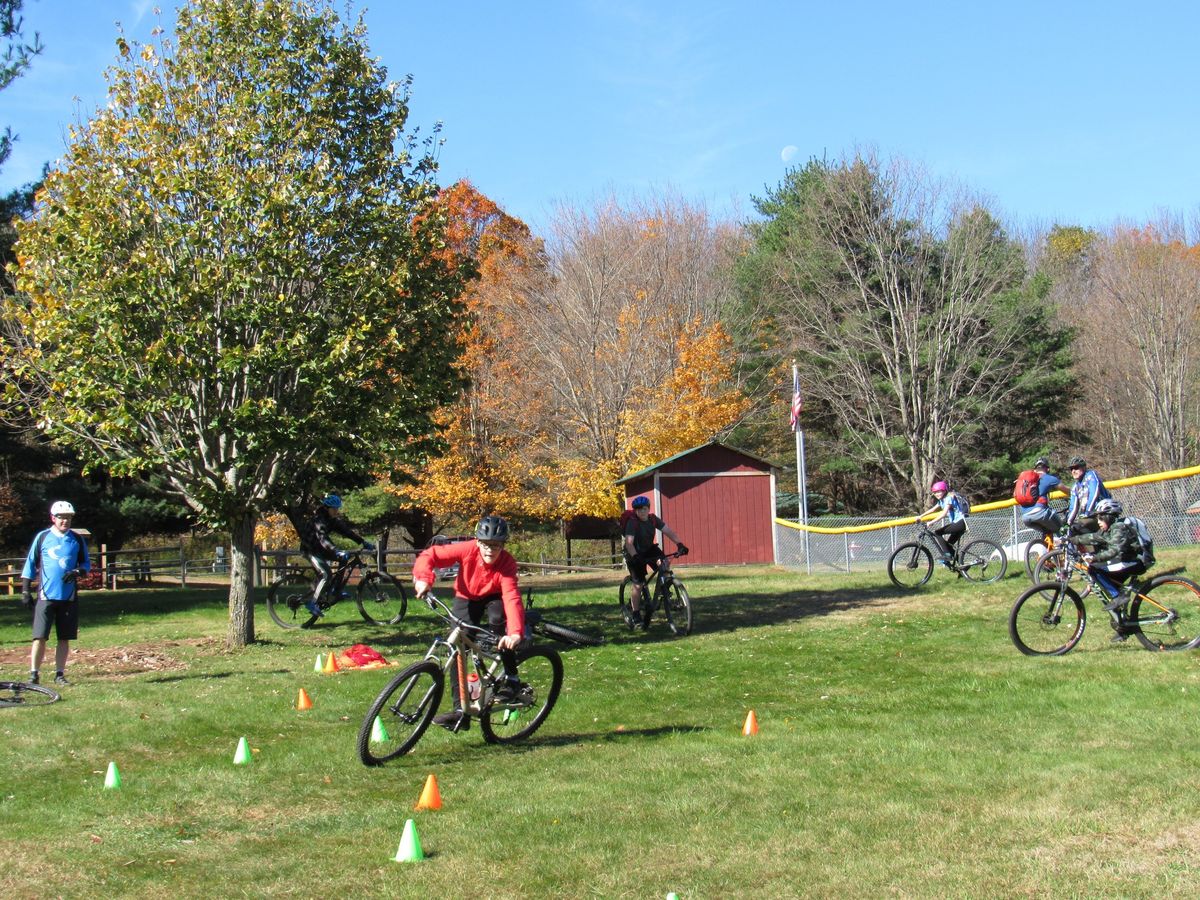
(1032, 492)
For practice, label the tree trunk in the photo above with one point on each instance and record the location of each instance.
(241, 581)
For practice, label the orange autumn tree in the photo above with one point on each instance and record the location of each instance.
(472, 473)
(698, 402)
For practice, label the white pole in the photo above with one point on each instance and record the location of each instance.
(801, 474)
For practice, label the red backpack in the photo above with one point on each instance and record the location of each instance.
(1025, 488)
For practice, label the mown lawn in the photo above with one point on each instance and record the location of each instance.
(905, 749)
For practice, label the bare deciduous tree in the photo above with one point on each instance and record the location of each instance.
(1140, 353)
(895, 305)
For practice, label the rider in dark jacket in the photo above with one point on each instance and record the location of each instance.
(314, 528)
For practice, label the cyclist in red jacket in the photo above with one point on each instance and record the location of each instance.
(486, 582)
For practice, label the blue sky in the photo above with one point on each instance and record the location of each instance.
(1069, 112)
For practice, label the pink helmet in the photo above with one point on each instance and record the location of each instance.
(939, 486)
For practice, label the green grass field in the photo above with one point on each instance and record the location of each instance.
(905, 749)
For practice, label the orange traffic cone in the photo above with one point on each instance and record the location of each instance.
(331, 664)
(303, 701)
(431, 798)
(751, 726)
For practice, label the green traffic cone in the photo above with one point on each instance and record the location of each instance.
(410, 845)
(112, 779)
(242, 755)
(320, 666)
(379, 734)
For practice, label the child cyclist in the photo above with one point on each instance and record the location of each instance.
(1115, 552)
(486, 582)
(643, 554)
(954, 509)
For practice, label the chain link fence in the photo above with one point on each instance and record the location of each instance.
(862, 544)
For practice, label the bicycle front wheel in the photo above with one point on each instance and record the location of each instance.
(623, 601)
(285, 601)
(1165, 614)
(404, 708)
(910, 565)
(679, 608)
(1047, 620)
(541, 672)
(19, 693)
(983, 561)
(381, 599)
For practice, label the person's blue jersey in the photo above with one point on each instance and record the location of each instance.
(59, 554)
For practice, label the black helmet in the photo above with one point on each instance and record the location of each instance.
(1042, 463)
(1077, 462)
(491, 528)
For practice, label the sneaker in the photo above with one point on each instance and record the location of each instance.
(631, 618)
(311, 605)
(453, 720)
(35, 678)
(1119, 638)
(60, 678)
(512, 691)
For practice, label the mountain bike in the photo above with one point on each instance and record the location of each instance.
(669, 595)
(408, 703)
(20, 693)
(1048, 619)
(911, 564)
(380, 596)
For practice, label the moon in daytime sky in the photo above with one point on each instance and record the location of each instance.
(788, 152)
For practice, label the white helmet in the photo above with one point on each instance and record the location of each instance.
(62, 508)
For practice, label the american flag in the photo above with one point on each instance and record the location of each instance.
(797, 401)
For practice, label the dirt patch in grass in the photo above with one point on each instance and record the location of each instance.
(112, 662)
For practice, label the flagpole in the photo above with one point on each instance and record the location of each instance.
(801, 473)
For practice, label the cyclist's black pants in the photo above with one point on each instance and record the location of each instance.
(472, 611)
(324, 574)
(948, 535)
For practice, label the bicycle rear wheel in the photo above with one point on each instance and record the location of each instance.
(983, 561)
(678, 606)
(1165, 614)
(568, 635)
(541, 672)
(405, 708)
(1047, 620)
(381, 598)
(19, 693)
(285, 601)
(910, 565)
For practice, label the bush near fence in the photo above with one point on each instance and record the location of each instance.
(846, 544)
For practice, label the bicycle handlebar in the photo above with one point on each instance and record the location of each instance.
(444, 611)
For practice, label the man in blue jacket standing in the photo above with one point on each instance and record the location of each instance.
(57, 557)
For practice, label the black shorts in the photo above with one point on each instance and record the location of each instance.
(64, 614)
(639, 564)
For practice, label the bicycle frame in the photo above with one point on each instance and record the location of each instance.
(1073, 562)
(451, 651)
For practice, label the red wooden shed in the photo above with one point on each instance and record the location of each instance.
(719, 500)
